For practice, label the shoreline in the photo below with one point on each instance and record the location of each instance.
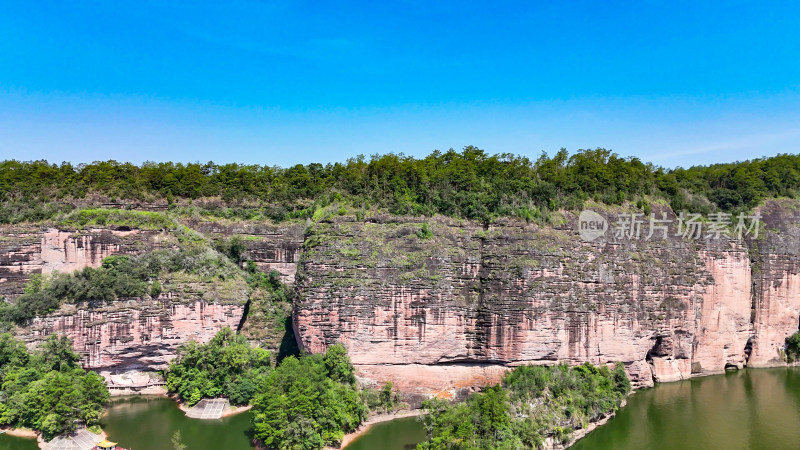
(27, 433)
(378, 418)
(20, 432)
(129, 391)
(229, 411)
(583, 432)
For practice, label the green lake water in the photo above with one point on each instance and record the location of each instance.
(398, 434)
(148, 423)
(749, 409)
(15, 443)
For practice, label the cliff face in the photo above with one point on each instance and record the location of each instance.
(776, 280)
(134, 335)
(123, 336)
(25, 250)
(452, 311)
(270, 246)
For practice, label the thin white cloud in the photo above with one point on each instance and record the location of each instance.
(752, 143)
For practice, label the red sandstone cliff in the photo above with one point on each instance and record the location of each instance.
(131, 335)
(455, 310)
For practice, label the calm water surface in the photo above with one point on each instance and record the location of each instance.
(15, 443)
(148, 423)
(398, 434)
(749, 409)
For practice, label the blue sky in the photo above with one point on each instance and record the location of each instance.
(675, 83)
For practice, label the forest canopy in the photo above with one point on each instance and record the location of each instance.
(532, 404)
(470, 184)
(309, 402)
(226, 366)
(46, 389)
(305, 401)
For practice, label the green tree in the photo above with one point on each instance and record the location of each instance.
(793, 347)
(301, 405)
(338, 364)
(546, 402)
(177, 441)
(57, 353)
(227, 365)
(45, 389)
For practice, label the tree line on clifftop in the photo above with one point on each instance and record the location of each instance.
(469, 184)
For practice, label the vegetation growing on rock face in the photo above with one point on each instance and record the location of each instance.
(118, 277)
(470, 184)
(793, 347)
(46, 389)
(143, 220)
(226, 366)
(425, 231)
(308, 402)
(269, 311)
(533, 403)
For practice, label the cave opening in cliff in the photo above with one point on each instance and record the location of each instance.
(288, 346)
(655, 350)
(748, 349)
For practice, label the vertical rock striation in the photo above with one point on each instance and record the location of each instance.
(136, 334)
(27, 249)
(437, 314)
(450, 312)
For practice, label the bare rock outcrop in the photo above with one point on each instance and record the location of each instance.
(29, 249)
(446, 312)
(135, 334)
(437, 314)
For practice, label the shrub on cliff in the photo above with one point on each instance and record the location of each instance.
(145, 220)
(793, 347)
(269, 312)
(46, 389)
(534, 402)
(425, 231)
(119, 276)
(308, 402)
(226, 366)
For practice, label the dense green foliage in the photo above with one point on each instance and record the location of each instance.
(144, 220)
(226, 366)
(269, 311)
(534, 402)
(305, 402)
(308, 402)
(46, 389)
(469, 184)
(793, 347)
(119, 276)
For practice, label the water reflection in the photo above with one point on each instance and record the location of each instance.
(753, 409)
